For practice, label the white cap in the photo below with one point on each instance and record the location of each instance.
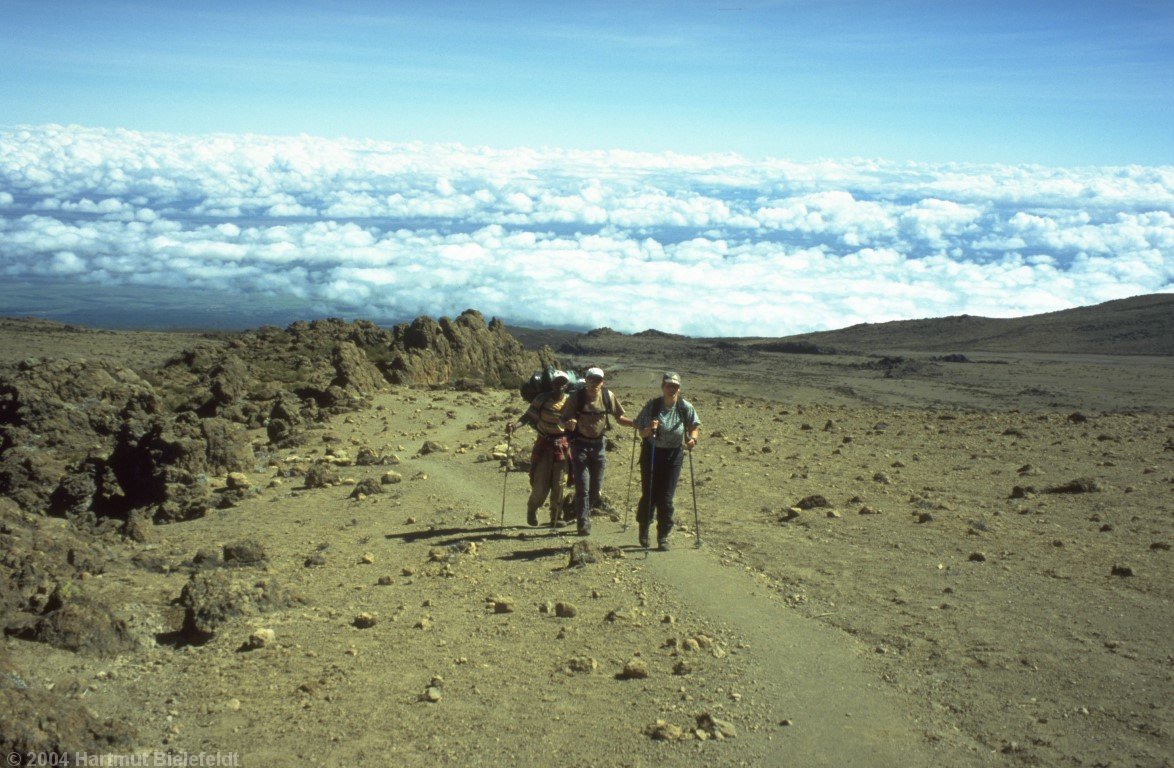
(594, 372)
(559, 375)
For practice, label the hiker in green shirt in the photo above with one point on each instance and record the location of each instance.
(669, 426)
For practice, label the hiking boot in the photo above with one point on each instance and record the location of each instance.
(584, 528)
(532, 517)
(644, 537)
(662, 545)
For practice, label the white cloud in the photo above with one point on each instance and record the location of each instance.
(702, 245)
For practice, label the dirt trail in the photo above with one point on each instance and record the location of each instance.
(802, 671)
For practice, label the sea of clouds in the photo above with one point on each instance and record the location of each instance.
(704, 245)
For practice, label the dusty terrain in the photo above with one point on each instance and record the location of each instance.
(985, 581)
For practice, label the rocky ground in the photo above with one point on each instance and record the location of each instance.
(904, 561)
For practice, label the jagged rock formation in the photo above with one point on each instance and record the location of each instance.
(92, 440)
(436, 352)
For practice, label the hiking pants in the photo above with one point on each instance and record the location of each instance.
(547, 477)
(659, 497)
(588, 460)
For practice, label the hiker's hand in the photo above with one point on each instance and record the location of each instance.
(571, 424)
(692, 441)
(509, 428)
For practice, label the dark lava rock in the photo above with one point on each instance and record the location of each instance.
(581, 554)
(321, 476)
(75, 621)
(211, 598)
(813, 502)
(1079, 485)
(366, 487)
(245, 552)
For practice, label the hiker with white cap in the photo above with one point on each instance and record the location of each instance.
(551, 451)
(586, 414)
(669, 425)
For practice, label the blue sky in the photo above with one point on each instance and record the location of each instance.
(1054, 83)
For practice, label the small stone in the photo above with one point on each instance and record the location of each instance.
(662, 731)
(432, 694)
(365, 620)
(424, 624)
(882, 478)
(260, 639)
(565, 610)
(1122, 570)
(833, 514)
(635, 669)
(233, 705)
(385, 581)
(683, 668)
(408, 570)
(785, 722)
(581, 554)
(718, 729)
(867, 510)
(924, 517)
(813, 502)
(315, 561)
(504, 605)
(977, 557)
(391, 477)
(410, 521)
(367, 558)
(582, 664)
(237, 481)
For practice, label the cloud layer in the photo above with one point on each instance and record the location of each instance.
(710, 245)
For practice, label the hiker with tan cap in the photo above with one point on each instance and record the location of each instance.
(587, 415)
(669, 425)
(551, 451)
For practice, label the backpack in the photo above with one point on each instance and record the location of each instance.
(654, 409)
(581, 401)
(540, 382)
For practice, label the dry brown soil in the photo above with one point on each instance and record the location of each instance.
(951, 625)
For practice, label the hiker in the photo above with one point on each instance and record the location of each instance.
(551, 451)
(669, 426)
(586, 414)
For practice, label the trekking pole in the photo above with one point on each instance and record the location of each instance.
(696, 516)
(631, 469)
(509, 438)
(651, 477)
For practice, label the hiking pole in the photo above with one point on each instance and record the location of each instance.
(631, 469)
(696, 517)
(509, 438)
(651, 477)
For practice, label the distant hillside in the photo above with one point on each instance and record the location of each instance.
(1141, 325)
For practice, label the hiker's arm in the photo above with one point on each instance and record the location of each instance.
(618, 410)
(566, 417)
(694, 430)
